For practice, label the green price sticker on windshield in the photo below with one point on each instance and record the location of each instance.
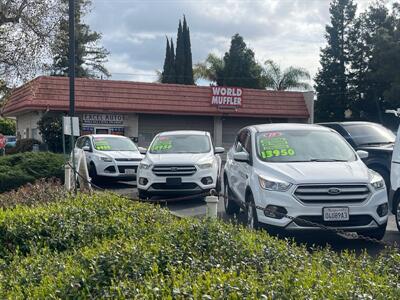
(162, 146)
(102, 145)
(278, 152)
(275, 146)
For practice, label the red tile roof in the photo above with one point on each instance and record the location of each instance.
(125, 96)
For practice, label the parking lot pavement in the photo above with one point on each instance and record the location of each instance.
(196, 207)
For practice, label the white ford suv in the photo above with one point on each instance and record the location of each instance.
(305, 171)
(179, 162)
(110, 156)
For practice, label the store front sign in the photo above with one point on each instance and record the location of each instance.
(226, 96)
(103, 119)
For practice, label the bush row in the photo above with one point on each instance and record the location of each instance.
(104, 246)
(19, 169)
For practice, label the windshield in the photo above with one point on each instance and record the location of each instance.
(302, 146)
(180, 144)
(113, 144)
(370, 134)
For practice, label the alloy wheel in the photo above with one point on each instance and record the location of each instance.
(398, 214)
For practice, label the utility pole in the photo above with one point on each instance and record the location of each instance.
(71, 74)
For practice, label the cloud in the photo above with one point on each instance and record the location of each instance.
(290, 32)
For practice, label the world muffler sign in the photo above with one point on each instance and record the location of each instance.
(226, 96)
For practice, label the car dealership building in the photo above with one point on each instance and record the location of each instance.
(140, 110)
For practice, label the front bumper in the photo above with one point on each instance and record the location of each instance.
(157, 185)
(117, 169)
(363, 215)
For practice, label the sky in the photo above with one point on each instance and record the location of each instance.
(290, 32)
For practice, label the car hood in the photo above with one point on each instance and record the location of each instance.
(318, 172)
(121, 154)
(178, 158)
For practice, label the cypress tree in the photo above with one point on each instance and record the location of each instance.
(180, 56)
(172, 74)
(167, 63)
(188, 71)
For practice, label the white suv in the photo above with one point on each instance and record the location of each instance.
(304, 171)
(179, 162)
(110, 156)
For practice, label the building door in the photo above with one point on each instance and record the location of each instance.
(150, 125)
(102, 130)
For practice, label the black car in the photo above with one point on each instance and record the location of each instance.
(374, 138)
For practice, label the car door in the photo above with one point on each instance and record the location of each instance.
(238, 169)
(244, 167)
(89, 154)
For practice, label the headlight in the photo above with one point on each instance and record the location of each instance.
(105, 158)
(207, 165)
(144, 166)
(376, 180)
(279, 186)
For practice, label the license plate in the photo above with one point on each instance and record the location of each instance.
(130, 171)
(336, 213)
(174, 181)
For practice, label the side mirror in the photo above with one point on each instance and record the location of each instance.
(219, 150)
(241, 157)
(86, 148)
(362, 154)
(142, 150)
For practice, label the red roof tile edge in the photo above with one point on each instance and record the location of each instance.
(51, 93)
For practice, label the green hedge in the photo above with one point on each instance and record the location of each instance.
(103, 246)
(22, 168)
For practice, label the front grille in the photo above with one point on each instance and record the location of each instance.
(169, 170)
(122, 169)
(332, 193)
(182, 186)
(128, 159)
(356, 220)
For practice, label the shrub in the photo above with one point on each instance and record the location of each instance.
(23, 145)
(22, 168)
(40, 192)
(7, 126)
(103, 246)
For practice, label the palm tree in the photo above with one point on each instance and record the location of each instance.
(211, 69)
(291, 78)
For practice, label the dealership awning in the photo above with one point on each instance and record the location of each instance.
(92, 95)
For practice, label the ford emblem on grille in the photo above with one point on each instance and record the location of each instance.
(334, 191)
(174, 169)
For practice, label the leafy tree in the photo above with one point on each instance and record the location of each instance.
(240, 66)
(188, 67)
(90, 57)
(332, 80)
(365, 87)
(385, 62)
(50, 127)
(290, 78)
(211, 69)
(26, 30)
(7, 126)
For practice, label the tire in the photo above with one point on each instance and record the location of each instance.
(231, 207)
(251, 214)
(377, 233)
(142, 194)
(397, 212)
(93, 173)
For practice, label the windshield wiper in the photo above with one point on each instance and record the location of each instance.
(328, 160)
